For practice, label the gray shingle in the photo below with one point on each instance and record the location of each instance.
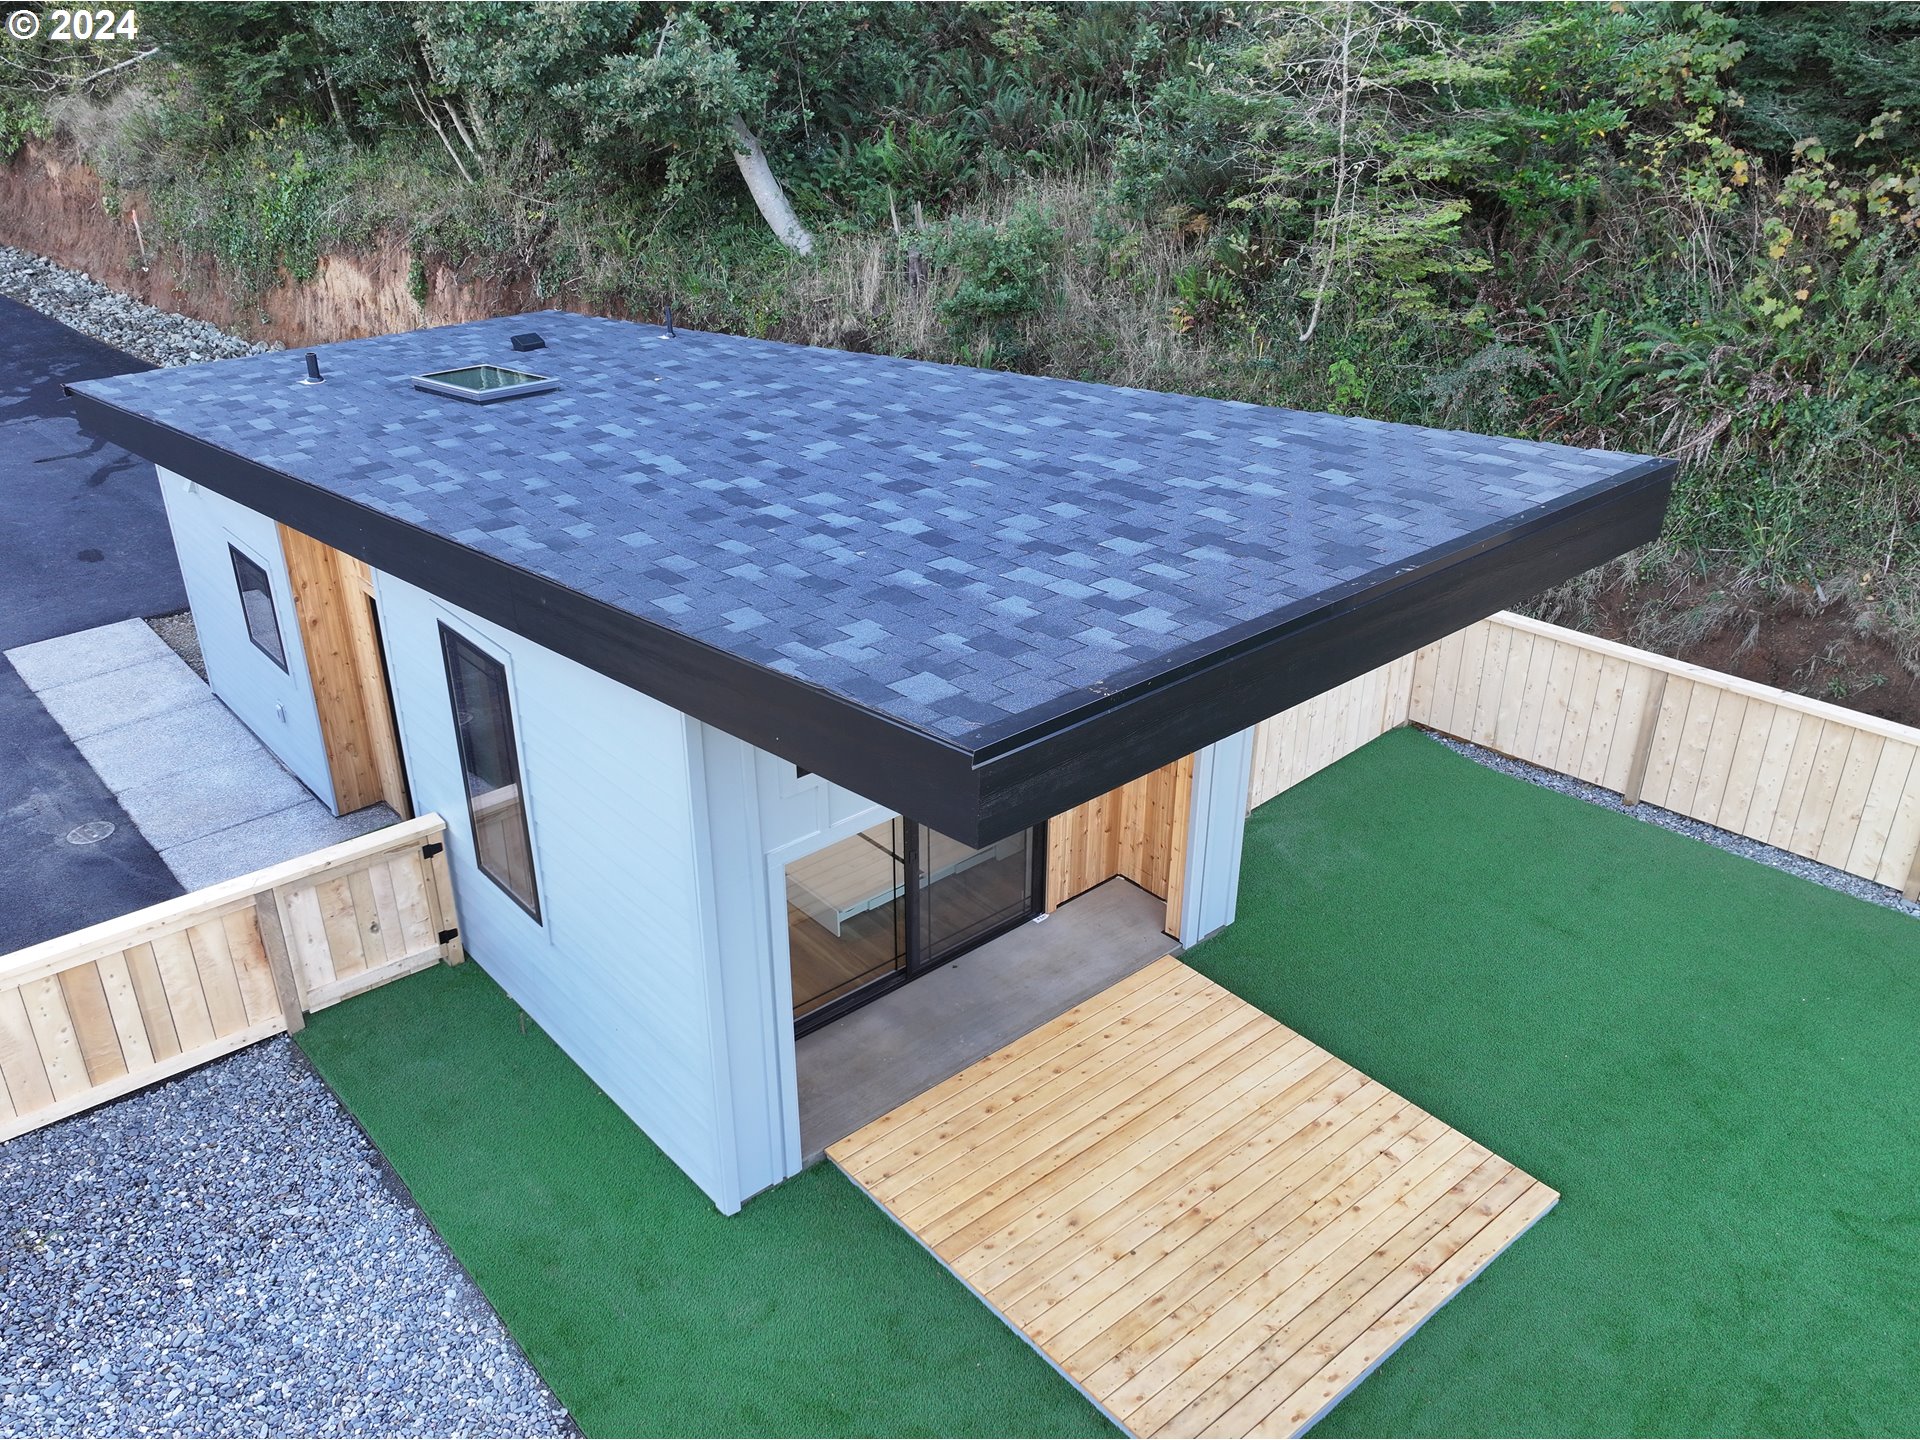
(954, 547)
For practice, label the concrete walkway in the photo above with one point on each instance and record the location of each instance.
(203, 791)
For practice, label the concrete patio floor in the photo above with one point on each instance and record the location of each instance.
(208, 796)
(858, 1068)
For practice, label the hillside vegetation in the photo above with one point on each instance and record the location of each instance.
(1688, 229)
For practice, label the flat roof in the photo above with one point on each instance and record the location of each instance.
(977, 597)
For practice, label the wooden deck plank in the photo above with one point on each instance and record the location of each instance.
(1205, 1220)
(1027, 1095)
(1216, 1157)
(1183, 1269)
(1062, 1285)
(975, 1084)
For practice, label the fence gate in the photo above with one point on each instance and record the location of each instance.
(97, 1014)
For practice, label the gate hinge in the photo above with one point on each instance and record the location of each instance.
(446, 935)
(428, 851)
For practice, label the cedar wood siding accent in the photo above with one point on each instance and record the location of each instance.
(1027, 771)
(204, 524)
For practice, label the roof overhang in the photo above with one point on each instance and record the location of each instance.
(1027, 772)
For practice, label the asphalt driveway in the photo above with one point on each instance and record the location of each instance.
(83, 542)
(83, 537)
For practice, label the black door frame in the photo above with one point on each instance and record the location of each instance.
(917, 964)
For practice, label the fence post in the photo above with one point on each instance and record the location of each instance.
(273, 937)
(439, 888)
(1643, 741)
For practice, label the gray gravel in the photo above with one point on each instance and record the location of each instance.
(226, 1254)
(1813, 870)
(181, 637)
(76, 299)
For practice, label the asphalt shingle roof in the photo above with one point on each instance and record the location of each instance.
(965, 551)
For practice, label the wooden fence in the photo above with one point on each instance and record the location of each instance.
(1808, 777)
(94, 1015)
(1299, 742)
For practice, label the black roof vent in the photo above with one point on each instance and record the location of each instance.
(314, 377)
(529, 341)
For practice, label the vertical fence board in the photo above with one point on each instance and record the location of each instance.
(393, 928)
(366, 916)
(180, 979)
(129, 1024)
(1690, 749)
(409, 884)
(1782, 738)
(1510, 685)
(93, 1029)
(1823, 785)
(1902, 855)
(342, 929)
(213, 957)
(1716, 765)
(20, 1061)
(150, 990)
(306, 935)
(1850, 799)
(250, 968)
(1743, 774)
(1890, 781)
(53, 1036)
(1793, 786)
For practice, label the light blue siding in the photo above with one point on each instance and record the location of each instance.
(760, 815)
(617, 969)
(277, 705)
(1216, 832)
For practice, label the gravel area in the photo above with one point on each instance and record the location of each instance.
(178, 631)
(78, 300)
(227, 1254)
(1813, 870)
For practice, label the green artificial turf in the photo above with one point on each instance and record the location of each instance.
(646, 1310)
(1716, 1064)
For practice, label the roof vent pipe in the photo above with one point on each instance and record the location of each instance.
(669, 308)
(314, 377)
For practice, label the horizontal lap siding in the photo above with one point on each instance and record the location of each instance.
(615, 972)
(1808, 777)
(203, 525)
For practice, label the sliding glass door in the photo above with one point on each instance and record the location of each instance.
(847, 916)
(969, 895)
(891, 903)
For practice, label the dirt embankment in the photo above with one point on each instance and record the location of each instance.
(1792, 639)
(53, 206)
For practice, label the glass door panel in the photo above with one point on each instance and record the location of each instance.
(967, 895)
(846, 916)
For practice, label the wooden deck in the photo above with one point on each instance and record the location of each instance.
(1205, 1221)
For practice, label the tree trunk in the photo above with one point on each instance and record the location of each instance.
(765, 187)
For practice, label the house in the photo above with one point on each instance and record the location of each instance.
(757, 680)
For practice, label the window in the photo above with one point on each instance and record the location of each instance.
(256, 603)
(483, 721)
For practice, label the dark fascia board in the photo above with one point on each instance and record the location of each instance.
(1310, 648)
(874, 755)
(1035, 767)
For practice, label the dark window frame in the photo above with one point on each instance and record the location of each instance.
(278, 654)
(455, 647)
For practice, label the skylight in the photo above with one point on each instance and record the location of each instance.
(484, 384)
